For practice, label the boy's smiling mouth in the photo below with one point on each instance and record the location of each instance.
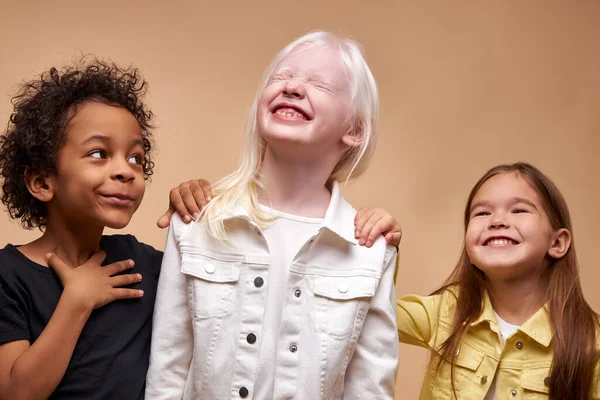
(118, 199)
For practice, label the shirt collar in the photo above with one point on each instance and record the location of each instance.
(339, 217)
(536, 327)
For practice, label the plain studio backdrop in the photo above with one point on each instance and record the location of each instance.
(464, 86)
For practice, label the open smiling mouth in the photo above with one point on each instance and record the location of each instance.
(290, 113)
(500, 242)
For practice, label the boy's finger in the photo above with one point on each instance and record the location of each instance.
(190, 202)
(206, 188)
(125, 280)
(165, 219)
(122, 293)
(57, 265)
(176, 202)
(119, 266)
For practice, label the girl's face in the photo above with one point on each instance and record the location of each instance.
(306, 102)
(509, 234)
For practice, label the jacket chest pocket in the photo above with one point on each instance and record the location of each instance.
(212, 284)
(466, 366)
(342, 303)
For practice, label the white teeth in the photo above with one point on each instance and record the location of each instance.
(290, 113)
(501, 242)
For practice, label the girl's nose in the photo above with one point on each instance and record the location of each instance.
(295, 89)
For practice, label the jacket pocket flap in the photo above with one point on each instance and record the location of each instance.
(345, 287)
(536, 379)
(466, 357)
(210, 269)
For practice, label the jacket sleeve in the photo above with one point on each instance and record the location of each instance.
(172, 336)
(416, 317)
(371, 373)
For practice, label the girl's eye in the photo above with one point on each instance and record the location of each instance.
(136, 159)
(98, 154)
(481, 213)
(519, 211)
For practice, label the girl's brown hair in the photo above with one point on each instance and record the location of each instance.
(574, 324)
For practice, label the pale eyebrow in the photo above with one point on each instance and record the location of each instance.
(283, 70)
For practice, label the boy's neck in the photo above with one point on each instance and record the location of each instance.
(295, 187)
(515, 301)
(74, 244)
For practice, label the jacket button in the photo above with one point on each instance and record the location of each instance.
(243, 392)
(293, 348)
(484, 379)
(547, 381)
(297, 292)
(210, 269)
(519, 345)
(514, 393)
(258, 281)
(251, 338)
(343, 288)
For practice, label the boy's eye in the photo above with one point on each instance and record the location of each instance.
(99, 154)
(135, 159)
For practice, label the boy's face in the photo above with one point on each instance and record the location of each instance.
(100, 179)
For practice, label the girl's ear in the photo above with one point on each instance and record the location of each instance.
(354, 136)
(38, 185)
(560, 244)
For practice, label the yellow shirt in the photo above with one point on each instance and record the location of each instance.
(522, 365)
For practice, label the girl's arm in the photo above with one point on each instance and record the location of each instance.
(371, 373)
(34, 371)
(172, 337)
(416, 317)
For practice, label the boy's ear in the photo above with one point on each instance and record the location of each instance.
(38, 185)
(354, 136)
(560, 244)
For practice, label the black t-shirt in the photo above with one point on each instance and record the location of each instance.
(111, 357)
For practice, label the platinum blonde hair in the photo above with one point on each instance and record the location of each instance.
(242, 187)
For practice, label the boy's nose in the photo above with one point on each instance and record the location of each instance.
(123, 172)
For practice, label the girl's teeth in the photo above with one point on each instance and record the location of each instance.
(501, 242)
(293, 114)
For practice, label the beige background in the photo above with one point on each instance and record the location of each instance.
(464, 86)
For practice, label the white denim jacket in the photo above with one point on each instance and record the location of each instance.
(338, 336)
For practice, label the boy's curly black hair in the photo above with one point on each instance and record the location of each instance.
(38, 125)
